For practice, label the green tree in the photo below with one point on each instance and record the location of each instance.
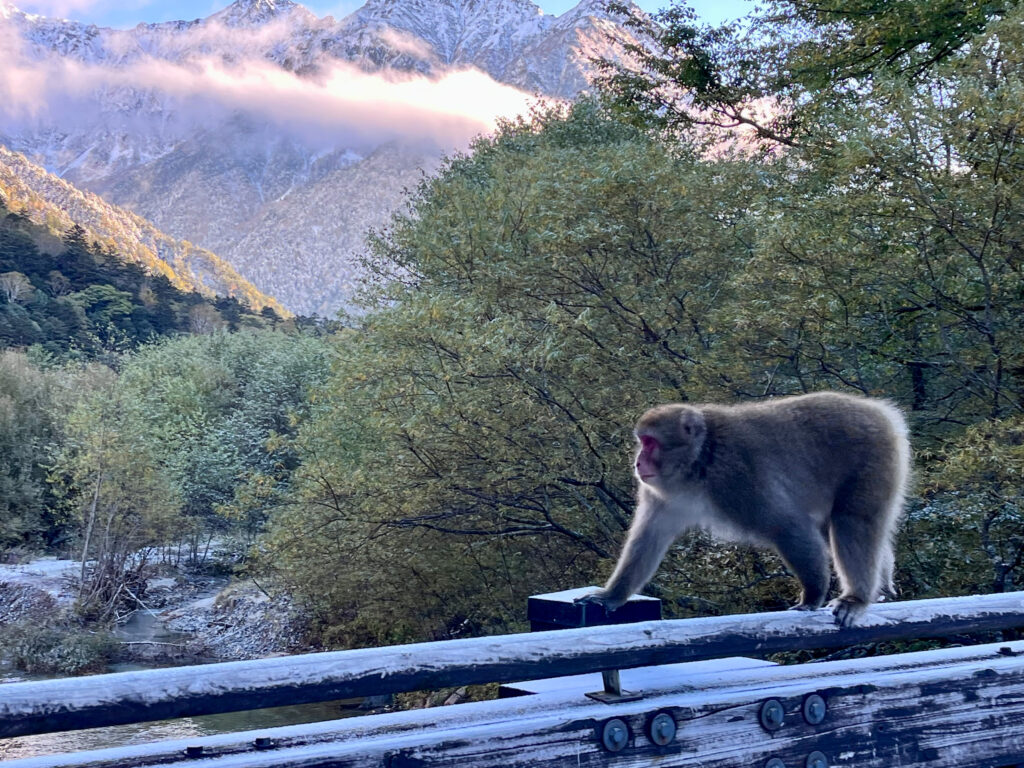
(473, 445)
(122, 500)
(791, 64)
(104, 304)
(219, 411)
(28, 430)
(967, 533)
(891, 262)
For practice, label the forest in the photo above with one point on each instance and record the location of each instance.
(827, 196)
(67, 297)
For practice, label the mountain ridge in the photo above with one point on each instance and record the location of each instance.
(45, 199)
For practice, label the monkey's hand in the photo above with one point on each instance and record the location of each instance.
(602, 598)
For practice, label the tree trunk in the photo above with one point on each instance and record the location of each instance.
(88, 529)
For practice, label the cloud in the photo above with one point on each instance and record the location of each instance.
(403, 42)
(339, 103)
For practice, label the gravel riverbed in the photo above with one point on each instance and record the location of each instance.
(209, 618)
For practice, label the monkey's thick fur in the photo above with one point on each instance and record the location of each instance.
(804, 475)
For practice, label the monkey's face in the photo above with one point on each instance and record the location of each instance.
(648, 458)
(669, 440)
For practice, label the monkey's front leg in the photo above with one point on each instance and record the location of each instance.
(654, 528)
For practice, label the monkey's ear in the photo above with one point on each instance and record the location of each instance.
(691, 424)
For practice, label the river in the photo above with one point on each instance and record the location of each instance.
(183, 728)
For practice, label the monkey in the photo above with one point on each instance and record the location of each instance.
(804, 475)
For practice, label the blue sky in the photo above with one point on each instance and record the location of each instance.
(128, 13)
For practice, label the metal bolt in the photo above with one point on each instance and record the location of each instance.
(814, 709)
(817, 760)
(615, 735)
(263, 742)
(196, 751)
(772, 715)
(774, 762)
(662, 729)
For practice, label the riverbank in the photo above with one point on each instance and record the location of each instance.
(183, 616)
(189, 616)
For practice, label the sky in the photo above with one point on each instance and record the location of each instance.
(128, 13)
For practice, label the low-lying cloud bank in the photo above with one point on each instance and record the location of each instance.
(339, 103)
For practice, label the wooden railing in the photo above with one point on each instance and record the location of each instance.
(959, 706)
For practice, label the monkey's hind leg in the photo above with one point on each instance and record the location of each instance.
(861, 538)
(806, 554)
(887, 585)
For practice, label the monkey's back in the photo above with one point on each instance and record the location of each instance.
(801, 453)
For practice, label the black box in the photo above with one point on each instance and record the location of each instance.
(557, 610)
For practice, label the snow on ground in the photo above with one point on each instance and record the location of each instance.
(22, 602)
(216, 619)
(240, 622)
(47, 574)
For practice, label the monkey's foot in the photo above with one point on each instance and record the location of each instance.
(888, 594)
(847, 610)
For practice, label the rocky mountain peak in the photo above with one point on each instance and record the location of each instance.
(487, 34)
(253, 12)
(465, 7)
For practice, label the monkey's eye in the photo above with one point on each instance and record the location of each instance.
(648, 443)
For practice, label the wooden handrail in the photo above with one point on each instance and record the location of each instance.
(129, 697)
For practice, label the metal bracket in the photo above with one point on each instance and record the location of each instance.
(613, 693)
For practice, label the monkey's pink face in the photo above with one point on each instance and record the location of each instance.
(648, 459)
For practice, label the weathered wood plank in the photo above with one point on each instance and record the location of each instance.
(56, 705)
(638, 679)
(961, 707)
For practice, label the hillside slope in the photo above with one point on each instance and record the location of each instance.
(42, 197)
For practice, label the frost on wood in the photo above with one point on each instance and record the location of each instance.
(952, 707)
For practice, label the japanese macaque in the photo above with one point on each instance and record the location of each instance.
(803, 475)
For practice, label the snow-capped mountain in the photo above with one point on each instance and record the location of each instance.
(257, 12)
(272, 137)
(488, 35)
(512, 40)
